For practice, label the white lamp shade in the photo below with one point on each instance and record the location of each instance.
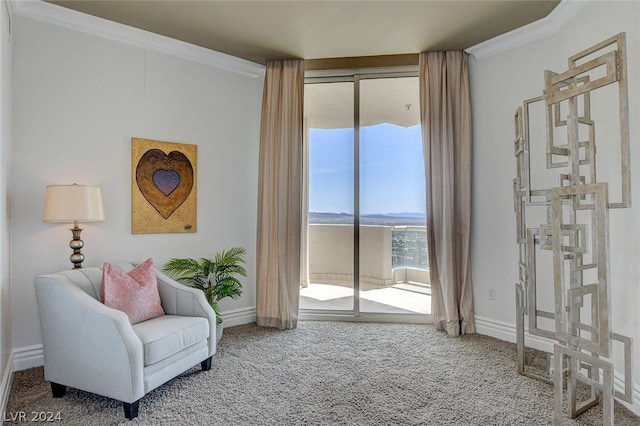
(70, 203)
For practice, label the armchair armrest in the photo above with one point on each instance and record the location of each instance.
(103, 355)
(179, 299)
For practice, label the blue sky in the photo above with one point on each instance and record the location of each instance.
(391, 170)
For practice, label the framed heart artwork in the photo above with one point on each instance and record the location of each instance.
(163, 187)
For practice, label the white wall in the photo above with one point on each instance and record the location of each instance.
(78, 101)
(5, 179)
(499, 84)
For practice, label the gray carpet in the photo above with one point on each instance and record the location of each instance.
(331, 373)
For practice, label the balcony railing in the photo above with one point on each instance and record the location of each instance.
(388, 254)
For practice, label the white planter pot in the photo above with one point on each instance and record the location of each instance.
(219, 329)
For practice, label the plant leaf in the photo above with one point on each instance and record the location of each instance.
(216, 277)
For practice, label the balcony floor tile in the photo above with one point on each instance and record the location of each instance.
(403, 298)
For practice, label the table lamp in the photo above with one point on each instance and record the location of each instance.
(73, 203)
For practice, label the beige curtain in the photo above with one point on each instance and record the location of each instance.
(445, 110)
(280, 196)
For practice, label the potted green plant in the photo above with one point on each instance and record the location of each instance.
(217, 277)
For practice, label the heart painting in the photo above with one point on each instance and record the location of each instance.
(164, 180)
(164, 187)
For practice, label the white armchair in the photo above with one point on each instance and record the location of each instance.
(92, 347)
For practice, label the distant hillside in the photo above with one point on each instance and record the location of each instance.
(391, 219)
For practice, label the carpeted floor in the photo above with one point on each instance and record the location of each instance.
(330, 373)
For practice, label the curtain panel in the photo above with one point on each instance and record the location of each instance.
(280, 195)
(445, 110)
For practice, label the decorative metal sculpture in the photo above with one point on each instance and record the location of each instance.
(575, 232)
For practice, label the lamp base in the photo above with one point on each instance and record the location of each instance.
(76, 244)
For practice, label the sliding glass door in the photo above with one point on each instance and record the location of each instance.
(392, 198)
(330, 284)
(366, 238)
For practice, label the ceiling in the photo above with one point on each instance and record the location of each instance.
(265, 30)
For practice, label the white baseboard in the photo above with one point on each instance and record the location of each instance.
(238, 316)
(5, 385)
(507, 332)
(28, 357)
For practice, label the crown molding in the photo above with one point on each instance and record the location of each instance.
(82, 22)
(541, 28)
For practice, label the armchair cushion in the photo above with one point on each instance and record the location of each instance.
(134, 293)
(166, 335)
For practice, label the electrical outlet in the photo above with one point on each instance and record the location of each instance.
(492, 294)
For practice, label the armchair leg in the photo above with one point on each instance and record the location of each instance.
(131, 410)
(206, 364)
(58, 390)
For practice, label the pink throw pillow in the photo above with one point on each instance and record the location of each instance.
(135, 294)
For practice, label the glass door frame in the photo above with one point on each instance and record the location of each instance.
(354, 76)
